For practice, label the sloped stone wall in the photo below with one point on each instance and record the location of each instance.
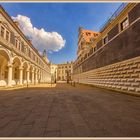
(123, 76)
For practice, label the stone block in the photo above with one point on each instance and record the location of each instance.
(123, 80)
(109, 85)
(135, 84)
(131, 80)
(130, 71)
(118, 80)
(123, 64)
(120, 76)
(131, 89)
(127, 76)
(127, 84)
(137, 71)
(138, 90)
(121, 83)
(124, 88)
(137, 62)
(116, 83)
(137, 80)
(134, 75)
(118, 87)
(134, 66)
(126, 67)
(124, 72)
(129, 63)
(113, 86)
(120, 69)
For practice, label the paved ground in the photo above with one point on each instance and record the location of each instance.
(66, 111)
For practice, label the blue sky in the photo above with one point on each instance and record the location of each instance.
(65, 19)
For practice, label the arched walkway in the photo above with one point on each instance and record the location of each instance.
(16, 71)
(5, 61)
(25, 72)
(32, 74)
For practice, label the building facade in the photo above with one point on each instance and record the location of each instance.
(62, 72)
(113, 61)
(85, 41)
(54, 68)
(20, 62)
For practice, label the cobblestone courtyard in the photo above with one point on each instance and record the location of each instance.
(66, 111)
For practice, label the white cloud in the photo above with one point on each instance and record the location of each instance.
(41, 39)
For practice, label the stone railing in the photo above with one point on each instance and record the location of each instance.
(123, 76)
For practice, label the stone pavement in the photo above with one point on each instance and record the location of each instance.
(66, 111)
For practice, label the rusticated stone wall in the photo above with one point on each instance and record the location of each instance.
(122, 76)
(125, 46)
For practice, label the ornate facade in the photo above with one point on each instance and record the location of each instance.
(85, 40)
(20, 62)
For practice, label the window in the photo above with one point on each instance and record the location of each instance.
(22, 47)
(16, 44)
(105, 40)
(124, 24)
(2, 31)
(7, 35)
(19, 46)
(95, 49)
(95, 35)
(92, 39)
(30, 53)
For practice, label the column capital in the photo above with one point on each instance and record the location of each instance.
(33, 71)
(21, 68)
(10, 65)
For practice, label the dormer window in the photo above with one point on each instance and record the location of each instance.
(105, 40)
(124, 24)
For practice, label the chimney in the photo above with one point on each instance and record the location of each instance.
(30, 41)
(16, 23)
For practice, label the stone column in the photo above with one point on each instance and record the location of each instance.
(9, 83)
(20, 75)
(28, 76)
(39, 77)
(33, 77)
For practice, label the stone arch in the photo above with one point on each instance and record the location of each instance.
(26, 63)
(25, 66)
(17, 58)
(16, 66)
(31, 70)
(5, 53)
(6, 60)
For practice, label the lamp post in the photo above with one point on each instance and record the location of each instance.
(67, 76)
(55, 77)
